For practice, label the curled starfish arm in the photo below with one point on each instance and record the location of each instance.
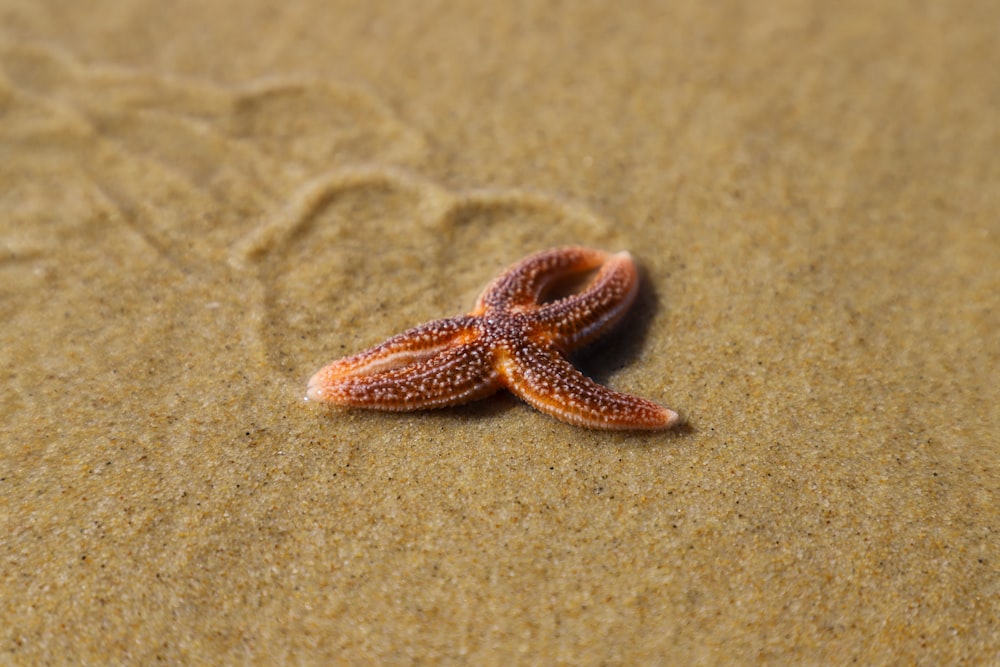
(576, 320)
(524, 284)
(542, 377)
(453, 375)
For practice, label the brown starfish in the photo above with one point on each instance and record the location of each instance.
(510, 340)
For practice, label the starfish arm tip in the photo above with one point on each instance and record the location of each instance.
(315, 390)
(670, 418)
(654, 418)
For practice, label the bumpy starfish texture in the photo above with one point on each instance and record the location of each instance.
(510, 340)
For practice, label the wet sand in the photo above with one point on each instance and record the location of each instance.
(206, 203)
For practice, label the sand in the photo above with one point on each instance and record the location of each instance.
(204, 202)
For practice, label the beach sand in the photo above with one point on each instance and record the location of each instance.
(203, 203)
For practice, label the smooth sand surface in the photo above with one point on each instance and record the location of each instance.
(204, 202)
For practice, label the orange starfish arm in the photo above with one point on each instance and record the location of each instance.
(528, 280)
(410, 347)
(576, 320)
(546, 380)
(430, 366)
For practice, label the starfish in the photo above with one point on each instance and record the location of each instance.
(510, 340)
